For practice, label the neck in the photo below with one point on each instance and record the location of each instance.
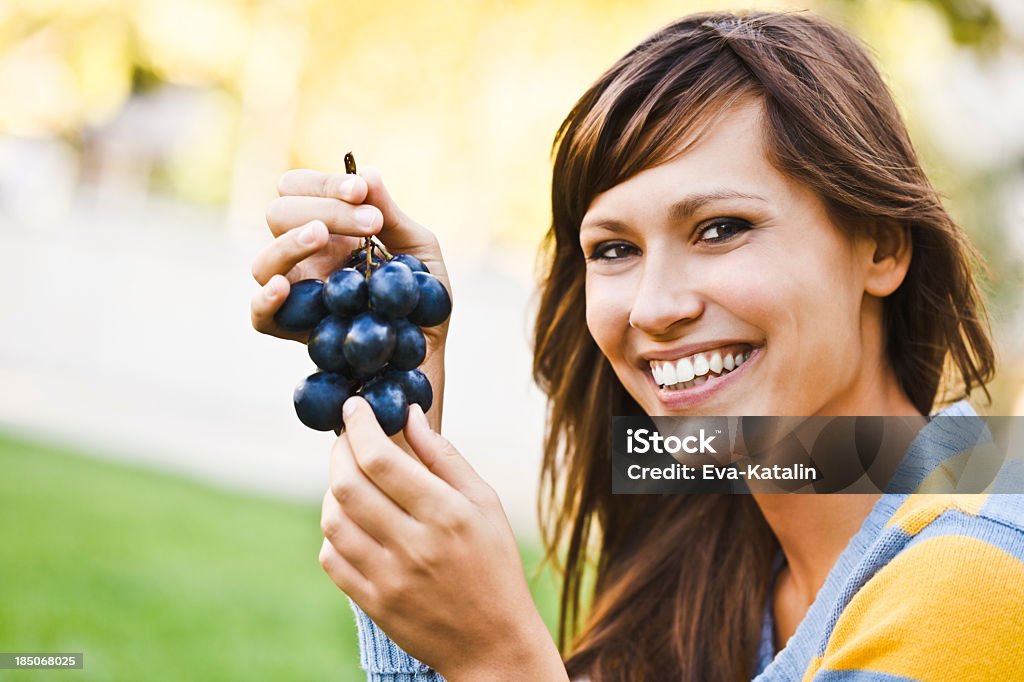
(813, 530)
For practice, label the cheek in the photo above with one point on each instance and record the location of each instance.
(785, 282)
(751, 287)
(804, 300)
(608, 309)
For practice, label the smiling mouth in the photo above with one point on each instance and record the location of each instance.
(699, 368)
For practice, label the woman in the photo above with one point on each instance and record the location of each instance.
(736, 186)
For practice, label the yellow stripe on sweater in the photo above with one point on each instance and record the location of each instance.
(920, 510)
(950, 608)
(812, 669)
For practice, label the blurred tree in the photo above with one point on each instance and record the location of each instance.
(972, 22)
(476, 88)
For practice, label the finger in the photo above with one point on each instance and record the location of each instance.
(397, 475)
(442, 459)
(349, 579)
(288, 250)
(287, 213)
(351, 541)
(398, 231)
(310, 183)
(364, 502)
(266, 302)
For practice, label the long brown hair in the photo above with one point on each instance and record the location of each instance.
(679, 582)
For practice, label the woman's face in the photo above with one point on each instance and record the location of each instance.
(716, 285)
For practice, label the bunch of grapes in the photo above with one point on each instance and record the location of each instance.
(366, 338)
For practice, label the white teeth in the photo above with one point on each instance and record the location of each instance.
(716, 362)
(684, 370)
(696, 369)
(700, 365)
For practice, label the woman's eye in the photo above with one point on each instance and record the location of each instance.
(722, 229)
(613, 251)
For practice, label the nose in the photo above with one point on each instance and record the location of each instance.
(666, 297)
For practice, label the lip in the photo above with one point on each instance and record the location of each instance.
(692, 349)
(691, 397)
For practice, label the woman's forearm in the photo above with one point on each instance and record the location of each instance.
(384, 661)
(532, 656)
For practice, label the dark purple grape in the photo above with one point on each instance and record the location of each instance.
(345, 292)
(303, 308)
(414, 263)
(410, 346)
(393, 290)
(361, 376)
(388, 403)
(369, 342)
(355, 257)
(358, 262)
(318, 400)
(326, 342)
(415, 385)
(434, 306)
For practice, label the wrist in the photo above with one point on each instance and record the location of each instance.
(532, 656)
(435, 371)
(381, 658)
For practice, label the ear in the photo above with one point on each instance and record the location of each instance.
(886, 259)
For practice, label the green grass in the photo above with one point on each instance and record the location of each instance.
(159, 578)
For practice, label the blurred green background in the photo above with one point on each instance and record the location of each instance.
(159, 502)
(153, 577)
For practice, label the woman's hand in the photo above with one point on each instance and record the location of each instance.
(317, 221)
(427, 552)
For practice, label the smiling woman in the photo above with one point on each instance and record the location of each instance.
(740, 227)
(747, 255)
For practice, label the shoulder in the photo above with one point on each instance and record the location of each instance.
(996, 517)
(949, 604)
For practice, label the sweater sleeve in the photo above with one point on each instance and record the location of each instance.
(385, 661)
(947, 608)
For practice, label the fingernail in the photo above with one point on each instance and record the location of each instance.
(366, 216)
(349, 407)
(347, 189)
(417, 414)
(271, 289)
(308, 235)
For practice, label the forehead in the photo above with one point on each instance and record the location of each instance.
(729, 157)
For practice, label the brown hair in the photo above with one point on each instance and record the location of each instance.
(679, 582)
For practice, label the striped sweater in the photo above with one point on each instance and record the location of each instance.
(930, 588)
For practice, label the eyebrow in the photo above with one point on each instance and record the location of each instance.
(684, 208)
(687, 207)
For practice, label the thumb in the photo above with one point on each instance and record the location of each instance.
(399, 231)
(442, 459)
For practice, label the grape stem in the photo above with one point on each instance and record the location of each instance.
(370, 244)
(383, 251)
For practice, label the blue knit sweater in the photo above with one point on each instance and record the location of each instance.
(385, 661)
(930, 587)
